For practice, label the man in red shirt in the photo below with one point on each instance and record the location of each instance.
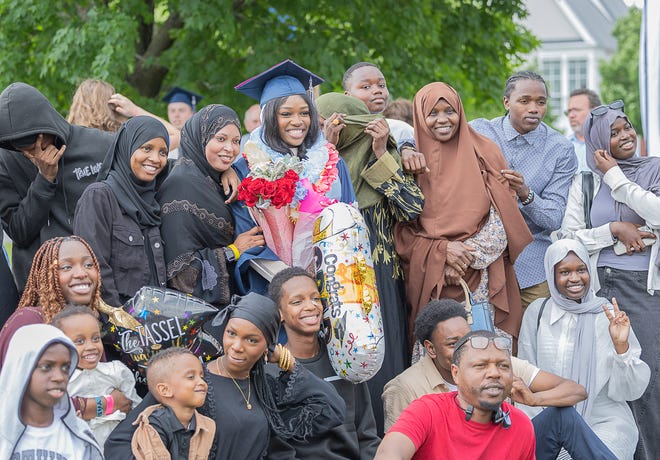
(472, 423)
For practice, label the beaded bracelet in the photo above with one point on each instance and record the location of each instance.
(529, 199)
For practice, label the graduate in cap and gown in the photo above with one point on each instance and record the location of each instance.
(289, 150)
(181, 106)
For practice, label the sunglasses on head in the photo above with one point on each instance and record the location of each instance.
(602, 109)
(481, 343)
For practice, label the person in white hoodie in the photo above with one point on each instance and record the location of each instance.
(37, 417)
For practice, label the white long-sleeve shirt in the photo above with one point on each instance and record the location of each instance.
(646, 204)
(619, 378)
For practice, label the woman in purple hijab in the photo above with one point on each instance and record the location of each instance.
(618, 221)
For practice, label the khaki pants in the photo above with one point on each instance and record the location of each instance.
(530, 294)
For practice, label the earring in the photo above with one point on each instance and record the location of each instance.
(266, 357)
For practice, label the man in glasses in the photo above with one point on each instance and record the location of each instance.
(541, 167)
(474, 421)
(439, 327)
(580, 103)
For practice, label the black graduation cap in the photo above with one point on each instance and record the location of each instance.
(178, 94)
(283, 79)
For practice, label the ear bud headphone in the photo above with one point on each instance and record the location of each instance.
(502, 418)
(499, 418)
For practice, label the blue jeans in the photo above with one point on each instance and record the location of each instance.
(558, 427)
(629, 288)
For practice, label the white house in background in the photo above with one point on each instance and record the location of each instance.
(575, 36)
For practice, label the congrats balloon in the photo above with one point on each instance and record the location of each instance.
(347, 282)
(155, 319)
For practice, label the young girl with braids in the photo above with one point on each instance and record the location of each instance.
(248, 404)
(64, 271)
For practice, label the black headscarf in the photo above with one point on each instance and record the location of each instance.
(255, 308)
(200, 129)
(192, 198)
(136, 198)
(292, 404)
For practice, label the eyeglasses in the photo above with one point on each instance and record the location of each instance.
(481, 343)
(602, 109)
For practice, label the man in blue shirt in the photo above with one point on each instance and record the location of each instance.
(580, 103)
(542, 163)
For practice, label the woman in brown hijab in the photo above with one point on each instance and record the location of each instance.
(471, 227)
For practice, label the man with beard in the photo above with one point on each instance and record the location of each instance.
(439, 327)
(474, 421)
(580, 103)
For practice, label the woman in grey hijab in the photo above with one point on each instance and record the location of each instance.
(580, 336)
(618, 221)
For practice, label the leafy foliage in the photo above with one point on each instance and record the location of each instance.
(621, 74)
(145, 46)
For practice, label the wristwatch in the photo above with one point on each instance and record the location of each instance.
(229, 254)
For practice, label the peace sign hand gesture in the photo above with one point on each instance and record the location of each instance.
(619, 327)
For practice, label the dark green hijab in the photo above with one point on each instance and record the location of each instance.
(354, 144)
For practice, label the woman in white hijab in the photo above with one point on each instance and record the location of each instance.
(579, 336)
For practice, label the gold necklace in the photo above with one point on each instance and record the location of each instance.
(247, 400)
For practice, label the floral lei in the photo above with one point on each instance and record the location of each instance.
(283, 171)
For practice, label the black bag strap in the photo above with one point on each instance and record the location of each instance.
(538, 320)
(587, 195)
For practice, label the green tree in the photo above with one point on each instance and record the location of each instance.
(621, 73)
(145, 46)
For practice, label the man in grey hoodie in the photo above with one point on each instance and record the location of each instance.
(45, 165)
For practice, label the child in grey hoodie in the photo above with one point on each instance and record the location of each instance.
(37, 419)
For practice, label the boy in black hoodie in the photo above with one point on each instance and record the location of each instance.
(45, 165)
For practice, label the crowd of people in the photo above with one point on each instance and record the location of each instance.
(557, 234)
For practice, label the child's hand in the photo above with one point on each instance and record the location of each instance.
(122, 403)
(619, 327)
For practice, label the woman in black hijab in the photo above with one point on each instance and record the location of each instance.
(248, 404)
(197, 225)
(120, 217)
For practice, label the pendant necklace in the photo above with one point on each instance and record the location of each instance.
(247, 400)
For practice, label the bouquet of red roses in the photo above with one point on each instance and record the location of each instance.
(284, 205)
(262, 192)
(268, 191)
(269, 183)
